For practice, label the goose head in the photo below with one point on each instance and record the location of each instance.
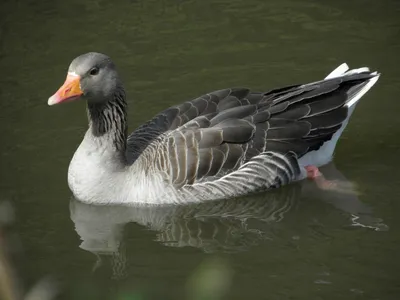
(91, 76)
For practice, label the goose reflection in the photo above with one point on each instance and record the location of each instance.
(231, 225)
(212, 226)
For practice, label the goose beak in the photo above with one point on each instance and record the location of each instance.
(70, 90)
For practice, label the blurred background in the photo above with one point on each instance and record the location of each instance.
(295, 243)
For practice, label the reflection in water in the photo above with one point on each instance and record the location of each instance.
(230, 225)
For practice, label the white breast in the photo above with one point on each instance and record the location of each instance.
(97, 175)
(94, 171)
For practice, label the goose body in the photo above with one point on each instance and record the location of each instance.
(223, 144)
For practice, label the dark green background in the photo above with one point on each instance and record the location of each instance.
(171, 51)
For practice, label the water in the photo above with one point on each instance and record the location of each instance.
(295, 243)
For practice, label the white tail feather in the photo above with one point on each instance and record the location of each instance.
(324, 154)
(363, 91)
(339, 71)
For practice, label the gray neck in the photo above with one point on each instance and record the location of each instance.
(108, 120)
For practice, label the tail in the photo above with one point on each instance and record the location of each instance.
(357, 92)
(324, 154)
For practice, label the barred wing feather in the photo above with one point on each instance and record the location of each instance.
(238, 139)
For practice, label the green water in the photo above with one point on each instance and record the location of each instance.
(295, 243)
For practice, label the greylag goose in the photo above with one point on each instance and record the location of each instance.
(223, 144)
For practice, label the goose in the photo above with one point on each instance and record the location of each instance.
(223, 144)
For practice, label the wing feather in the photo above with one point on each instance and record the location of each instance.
(229, 130)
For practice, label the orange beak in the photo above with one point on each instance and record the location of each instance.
(70, 90)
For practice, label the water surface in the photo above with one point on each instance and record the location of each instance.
(295, 243)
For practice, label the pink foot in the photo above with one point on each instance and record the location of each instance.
(339, 186)
(314, 173)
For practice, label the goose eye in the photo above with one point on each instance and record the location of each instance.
(94, 71)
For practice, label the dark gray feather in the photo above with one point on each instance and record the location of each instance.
(221, 130)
